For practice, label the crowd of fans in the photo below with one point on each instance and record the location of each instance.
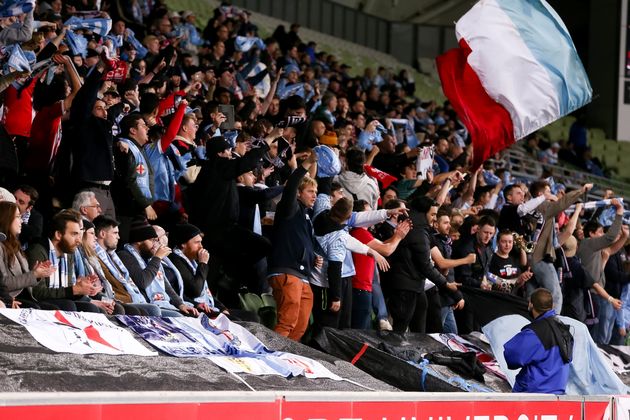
(153, 167)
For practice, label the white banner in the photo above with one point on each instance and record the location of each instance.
(76, 332)
(225, 343)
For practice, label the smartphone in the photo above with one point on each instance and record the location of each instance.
(228, 111)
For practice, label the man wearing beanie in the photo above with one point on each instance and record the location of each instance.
(191, 260)
(142, 256)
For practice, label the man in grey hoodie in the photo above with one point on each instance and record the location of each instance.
(356, 182)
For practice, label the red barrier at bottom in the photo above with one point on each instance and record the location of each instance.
(281, 409)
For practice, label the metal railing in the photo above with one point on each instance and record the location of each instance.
(523, 165)
(406, 42)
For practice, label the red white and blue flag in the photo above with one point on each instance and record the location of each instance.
(515, 71)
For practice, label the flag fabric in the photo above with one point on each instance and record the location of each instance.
(16, 8)
(589, 372)
(77, 43)
(224, 343)
(245, 43)
(76, 332)
(515, 71)
(100, 26)
(17, 59)
(383, 177)
(141, 50)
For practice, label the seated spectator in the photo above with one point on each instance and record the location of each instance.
(87, 205)
(15, 276)
(142, 256)
(114, 272)
(62, 289)
(32, 220)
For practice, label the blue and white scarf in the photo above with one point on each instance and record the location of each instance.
(16, 7)
(245, 43)
(141, 51)
(100, 26)
(156, 291)
(206, 295)
(77, 43)
(60, 277)
(93, 267)
(119, 271)
(17, 59)
(180, 282)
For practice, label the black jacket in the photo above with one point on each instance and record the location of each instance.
(129, 199)
(616, 276)
(411, 262)
(472, 274)
(447, 297)
(248, 198)
(91, 136)
(194, 282)
(293, 250)
(215, 205)
(144, 277)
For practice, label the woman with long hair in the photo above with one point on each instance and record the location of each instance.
(14, 271)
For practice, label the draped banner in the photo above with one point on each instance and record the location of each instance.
(226, 344)
(76, 332)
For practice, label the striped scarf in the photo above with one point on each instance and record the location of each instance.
(100, 26)
(119, 271)
(60, 277)
(206, 295)
(16, 7)
(156, 291)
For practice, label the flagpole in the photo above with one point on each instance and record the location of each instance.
(243, 380)
(358, 384)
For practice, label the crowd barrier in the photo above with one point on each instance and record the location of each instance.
(309, 406)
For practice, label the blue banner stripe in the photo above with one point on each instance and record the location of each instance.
(548, 40)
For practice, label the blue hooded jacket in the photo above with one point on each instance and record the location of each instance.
(537, 352)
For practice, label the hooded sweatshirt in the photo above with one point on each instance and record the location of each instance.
(360, 187)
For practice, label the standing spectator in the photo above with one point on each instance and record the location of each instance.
(293, 256)
(546, 238)
(410, 266)
(508, 273)
(356, 182)
(92, 141)
(133, 187)
(366, 270)
(617, 278)
(590, 253)
(441, 251)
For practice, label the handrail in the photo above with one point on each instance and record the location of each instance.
(523, 165)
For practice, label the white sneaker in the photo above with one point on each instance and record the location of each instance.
(384, 325)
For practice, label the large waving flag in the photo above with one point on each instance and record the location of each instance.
(515, 71)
